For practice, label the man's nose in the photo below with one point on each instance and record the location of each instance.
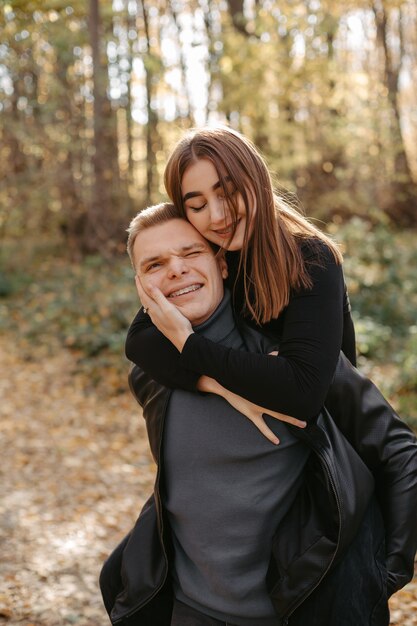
(177, 267)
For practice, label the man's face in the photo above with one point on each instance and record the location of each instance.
(174, 257)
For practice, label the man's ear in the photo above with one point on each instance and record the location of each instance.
(223, 266)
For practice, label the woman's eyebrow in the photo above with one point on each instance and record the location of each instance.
(194, 194)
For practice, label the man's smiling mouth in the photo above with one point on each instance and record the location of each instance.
(184, 290)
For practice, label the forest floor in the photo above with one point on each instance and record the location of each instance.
(75, 471)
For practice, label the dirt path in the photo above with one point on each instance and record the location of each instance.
(75, 470)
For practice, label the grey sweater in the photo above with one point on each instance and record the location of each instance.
(226, 489)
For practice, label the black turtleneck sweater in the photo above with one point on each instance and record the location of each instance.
(311, 331)
(226, 489)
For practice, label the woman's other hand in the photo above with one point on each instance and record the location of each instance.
(252, 411)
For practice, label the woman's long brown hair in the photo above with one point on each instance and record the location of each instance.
(271, 262)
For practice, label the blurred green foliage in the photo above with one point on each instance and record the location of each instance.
(380, 267)
(380, 270)
(87, 307)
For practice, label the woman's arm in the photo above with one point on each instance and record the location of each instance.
(297, 380)
(253, 412)
(150, 350)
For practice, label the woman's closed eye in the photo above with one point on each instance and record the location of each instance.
(197, 208)
(221, 195)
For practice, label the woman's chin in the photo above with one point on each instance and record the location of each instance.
(234, 245)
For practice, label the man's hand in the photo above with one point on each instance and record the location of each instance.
(252, 411)
(166, 317)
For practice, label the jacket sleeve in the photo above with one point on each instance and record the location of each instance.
(153, 398)
(389, 448)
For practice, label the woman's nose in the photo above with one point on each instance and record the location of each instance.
(218, 212)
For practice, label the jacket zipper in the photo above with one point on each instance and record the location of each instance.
(331, 481)
(161, 525)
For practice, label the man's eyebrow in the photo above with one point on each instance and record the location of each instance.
(194, 246)
(150, 259)
(187, 248)
(194, 194)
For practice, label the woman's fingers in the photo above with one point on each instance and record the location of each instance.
(164, 306)
(159, 298)
(153, 300)
(166, 316)
(252, 411)
(168, 311)
(285, 418)
(265, 430)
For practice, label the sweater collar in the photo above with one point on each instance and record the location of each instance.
(221, 323)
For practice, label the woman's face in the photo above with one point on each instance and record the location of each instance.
(206, 206)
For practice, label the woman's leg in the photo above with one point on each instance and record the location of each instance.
(354, 593)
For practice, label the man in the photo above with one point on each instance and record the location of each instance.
(238, 532)
(213, 460)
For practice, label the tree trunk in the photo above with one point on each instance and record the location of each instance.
(238, 17)
(99, 224)
(73, 209)
(401, 205)
(151, 126)
(212, 59)
(183, 67)
(130, 24)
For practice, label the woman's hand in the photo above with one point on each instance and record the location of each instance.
(166, 317)
(249, 409)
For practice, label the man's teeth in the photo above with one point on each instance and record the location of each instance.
(180, 292)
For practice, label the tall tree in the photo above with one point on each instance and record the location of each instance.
(402, 200)
(151, 64)
(189, 116)
(100, 225)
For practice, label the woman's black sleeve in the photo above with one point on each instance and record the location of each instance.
(156, 355)
(297, 380)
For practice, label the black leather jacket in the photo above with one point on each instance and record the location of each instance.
(339, 480)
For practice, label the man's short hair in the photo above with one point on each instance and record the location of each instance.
(152, 216)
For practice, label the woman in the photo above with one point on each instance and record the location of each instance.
(284, 273)
(285, 276)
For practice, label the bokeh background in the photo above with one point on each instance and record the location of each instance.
(93, 95)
